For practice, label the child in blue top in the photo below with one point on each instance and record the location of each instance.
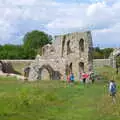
(72, 77)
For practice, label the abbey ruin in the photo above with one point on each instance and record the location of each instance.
(68, 53)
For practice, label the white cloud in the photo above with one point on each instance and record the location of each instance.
(19, 17)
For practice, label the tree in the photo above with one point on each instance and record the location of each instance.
(101, 53)
(97, 53)
(9, 51)
(107, 52)
(35, 40)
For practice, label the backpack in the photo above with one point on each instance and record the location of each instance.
(113, 87)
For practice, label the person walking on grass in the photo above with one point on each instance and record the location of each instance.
(112, 90)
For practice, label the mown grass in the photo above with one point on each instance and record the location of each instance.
(56, 100)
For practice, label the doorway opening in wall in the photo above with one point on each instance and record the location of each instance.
(81, 45)
(81, 67)
(68, 47)
(45, 73)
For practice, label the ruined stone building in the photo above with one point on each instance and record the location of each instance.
(68, 53)
(113, 56)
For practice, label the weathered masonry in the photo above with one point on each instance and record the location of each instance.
(69, 53)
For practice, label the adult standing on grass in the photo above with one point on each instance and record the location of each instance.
(112, 90)
(84, 77)
(91, 77)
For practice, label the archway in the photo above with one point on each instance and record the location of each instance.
(81, 67)
(26, 71)
(81, 45)
(45, 73)
(1, 66)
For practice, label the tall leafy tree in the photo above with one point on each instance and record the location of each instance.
(35, 40)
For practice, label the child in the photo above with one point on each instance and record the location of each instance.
(112, 89)
(72, 77)
(68, 78)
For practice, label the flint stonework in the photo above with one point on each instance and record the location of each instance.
(68, 53)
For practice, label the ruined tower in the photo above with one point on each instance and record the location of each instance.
(69, 53)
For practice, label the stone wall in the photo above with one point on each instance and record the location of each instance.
(69, 53)
(101, 62)
(19, 65)
(15, 66)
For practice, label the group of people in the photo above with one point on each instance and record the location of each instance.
(87, 77)
(83, 77)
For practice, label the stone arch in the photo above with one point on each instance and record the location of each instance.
(48, 68)
(68, 47)
(2, 66)
(81, 67)
(81, 45)
(26, 71)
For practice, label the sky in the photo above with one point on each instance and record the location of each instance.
(102, 17)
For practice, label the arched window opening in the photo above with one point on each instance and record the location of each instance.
(63, 44)
(68, 47)
(70, 67)
(81, 67)
(81, 45)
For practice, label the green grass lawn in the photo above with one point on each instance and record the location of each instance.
(56, 100)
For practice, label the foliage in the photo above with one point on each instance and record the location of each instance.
(101, 53)
(35, 40)
(11, 52)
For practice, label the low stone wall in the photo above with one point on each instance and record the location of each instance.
(101, 62)
(16, 66)
(19, 65)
